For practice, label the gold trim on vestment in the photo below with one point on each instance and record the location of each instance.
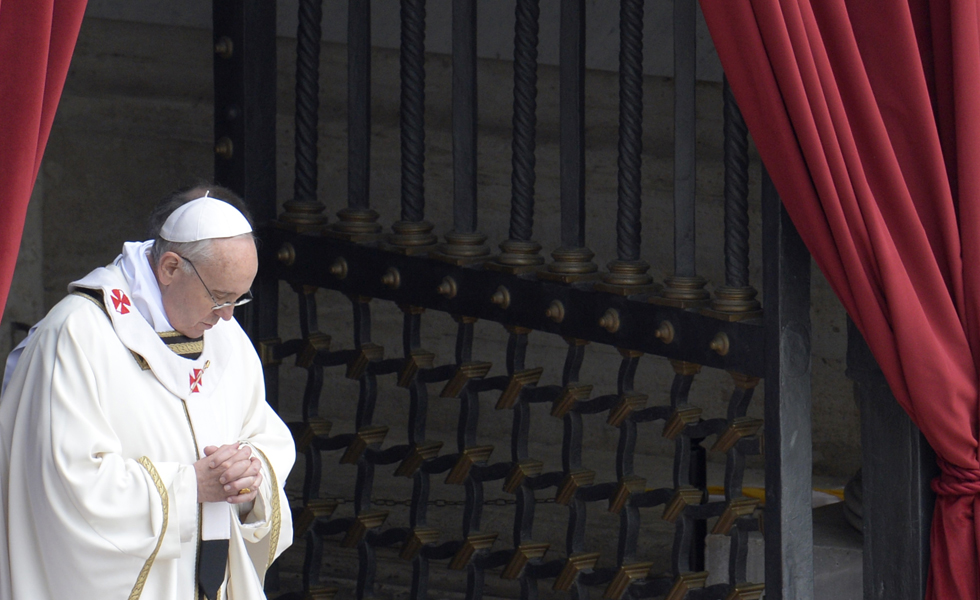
(276, 514)
(165, 499)
(169, 334)
(183, 348)
(92, 299)
(141, 361)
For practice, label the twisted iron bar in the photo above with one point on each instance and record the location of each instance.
(630, 128)
(413, 109)
(307, 98)
(736, 193)
(525, 119)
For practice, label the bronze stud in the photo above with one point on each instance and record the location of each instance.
(746, 591)
(339, 268)
(501, 297)
(472, 545)
(447, 288)
(520, 472)
(287, 254)
(362, 523)
(464, 373)
(720, 344)
(626, 575)
(464, 463)
(366, 354)
(315, 509)
(556, 311)
(392, 278)
(521, 556)
(421, 452)
(419, 537)
(224, 47)
(575, 564)
(267, 351)
(224, 148)
(665, 332)
(610, 320)
(686, 582)
(372, 435)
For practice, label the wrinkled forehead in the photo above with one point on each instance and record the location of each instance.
(233, 259)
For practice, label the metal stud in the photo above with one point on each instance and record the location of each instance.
(720, 344)
(392, 278)
(339, 268)
(556, 311)
(501, 297)
(287, 254)
(224, 47)
(224, 148)
(610, 320)
(447, 288)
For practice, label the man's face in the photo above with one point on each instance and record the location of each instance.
(228, 275)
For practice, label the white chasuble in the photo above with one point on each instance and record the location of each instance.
(99, 428)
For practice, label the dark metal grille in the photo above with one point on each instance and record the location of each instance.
(468, 464)
(568, 297)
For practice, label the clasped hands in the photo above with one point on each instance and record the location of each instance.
(226, 472)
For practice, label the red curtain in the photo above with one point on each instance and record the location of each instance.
(867, 116)
(37, 38)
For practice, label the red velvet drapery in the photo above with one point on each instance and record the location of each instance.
(867, 116)
(37, 38)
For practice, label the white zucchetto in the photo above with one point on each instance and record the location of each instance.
(204, 219)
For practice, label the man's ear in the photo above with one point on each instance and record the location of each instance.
(168, 265)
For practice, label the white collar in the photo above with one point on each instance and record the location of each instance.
(144, 289)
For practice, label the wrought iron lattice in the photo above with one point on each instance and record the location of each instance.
(574, 567)
(681, 323)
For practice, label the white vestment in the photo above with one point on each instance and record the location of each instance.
(99, 428)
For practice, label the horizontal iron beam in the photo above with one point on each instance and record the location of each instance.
(419, 278)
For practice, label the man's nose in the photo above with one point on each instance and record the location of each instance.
(226, 313)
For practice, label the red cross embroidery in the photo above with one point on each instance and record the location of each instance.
(196, 380)
(120, 302)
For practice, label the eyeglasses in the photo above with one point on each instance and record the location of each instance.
(245, 299)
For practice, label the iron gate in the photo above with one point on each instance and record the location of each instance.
(567, 296)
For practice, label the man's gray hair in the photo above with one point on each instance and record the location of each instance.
(198, 252)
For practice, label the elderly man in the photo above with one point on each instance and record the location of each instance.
(138, 456)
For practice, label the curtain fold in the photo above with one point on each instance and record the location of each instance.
(866, 114)
(37, 38)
